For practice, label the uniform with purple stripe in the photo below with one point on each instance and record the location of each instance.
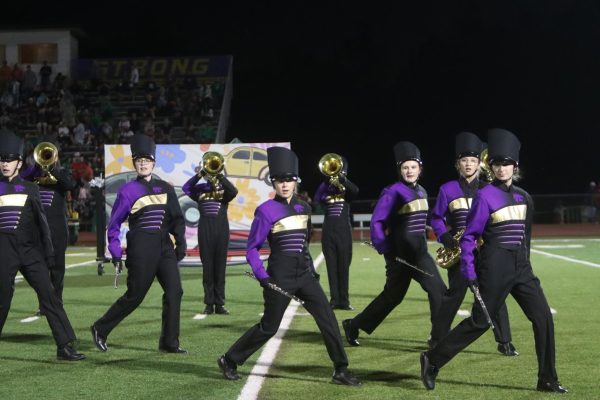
(284, 225)
(452, 205)
(10, 210)
(502, 217)
(405, 209)
(332, 198)
(208, 197)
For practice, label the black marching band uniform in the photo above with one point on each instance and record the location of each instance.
(286, 225)
(398, 230)
(336, 240)
(153, 212)
(53, 196)
(452, 206)
(26, 246)
(213, 198)
(501, 214)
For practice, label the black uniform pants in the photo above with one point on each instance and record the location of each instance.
(213, 241)
(307, 288)
(500, 272)
(144, 263)
(337, 249)
(60, 238)
(453, 298)
(36, 274)
(398, 278)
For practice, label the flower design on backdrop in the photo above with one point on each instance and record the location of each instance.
(120, 162)
(168, 156)
(245, 202)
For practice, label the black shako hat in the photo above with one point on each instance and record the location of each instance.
(503, 146)
(467, 144)
(11, 146)
(283, 163)
(405, 151)
(142, 145)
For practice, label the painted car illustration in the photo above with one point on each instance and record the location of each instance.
(247, 162)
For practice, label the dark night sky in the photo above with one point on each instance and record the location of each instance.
(421, 71)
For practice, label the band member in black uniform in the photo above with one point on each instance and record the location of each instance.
(153, 212)
(285, 222)
(398, 230)
(26, 246)
(451, 208)
(336, 240)
(213, 197)
(54, 186)
(501, 214)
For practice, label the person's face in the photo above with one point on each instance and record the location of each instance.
(503, 171)
(468, 166)
(144, 166)
(284, 187)
(410, 171)
(10, 169)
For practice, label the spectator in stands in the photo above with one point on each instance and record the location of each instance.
(29, 82)
(45, 73)
(81, 170)
(64, 134)
(134, 77)
(59, 82)
(17, 73)
(79, 134)
(14, 88)
(5, 75)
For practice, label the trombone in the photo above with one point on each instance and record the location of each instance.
(45, 154)
(331, 165)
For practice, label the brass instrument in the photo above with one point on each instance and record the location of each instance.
(447, 258)
(212, 164)
(485, 167)
(331, 165)
(45, 154)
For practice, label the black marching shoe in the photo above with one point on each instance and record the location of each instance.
(344, 377)
(351, 332)
(554, 387)
(174, 350)
(220, 309)
(209, 309)
(99, 341)
(229, 370)
(428, 372)
(508, 349)
(68, 353)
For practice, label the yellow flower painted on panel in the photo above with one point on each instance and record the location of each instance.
(120, 162)
(245, 202)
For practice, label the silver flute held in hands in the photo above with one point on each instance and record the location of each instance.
(118, 270)
(483, 307)
(401, 260)
(277, 289)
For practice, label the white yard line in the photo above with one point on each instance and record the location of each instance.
(261, 368)
(20, 278)
(573, 260)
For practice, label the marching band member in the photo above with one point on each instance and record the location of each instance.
(336, 240)
(285, 222)
(502, 215)
(153, 212)
(26, 246)
(452, 206)
(213, 198)
(398, 230)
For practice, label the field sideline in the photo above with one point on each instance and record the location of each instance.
(387, 362)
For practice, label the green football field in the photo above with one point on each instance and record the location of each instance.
(387, 362)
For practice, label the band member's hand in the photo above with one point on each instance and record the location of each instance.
(202, 173)
(50, 262)
(180, 252)
(265, 282)
(448, 241)
(118, 263)
(473, 285)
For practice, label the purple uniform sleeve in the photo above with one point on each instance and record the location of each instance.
(321, 193)
(259, 230)
(476, 221)
(120, 212)
(381, 213)
(189, 187)
(438, 214)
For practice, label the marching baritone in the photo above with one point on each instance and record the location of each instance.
(501, 214)
(26, 246)
(398, 232)
(151, 207)
(452, 206)
(213, 197)
(285, 222)
(336, 240)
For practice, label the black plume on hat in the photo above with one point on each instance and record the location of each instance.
(467, 144)
(11, 146)
(283, 163)
(405, 151)
(142, 145)
(503, 145)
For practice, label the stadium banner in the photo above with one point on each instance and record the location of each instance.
(245, 166)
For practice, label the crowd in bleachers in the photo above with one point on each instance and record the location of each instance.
(80, 116)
